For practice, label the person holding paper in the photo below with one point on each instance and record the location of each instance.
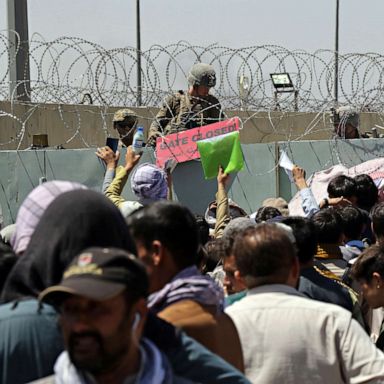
(309, 203)
(191, 109)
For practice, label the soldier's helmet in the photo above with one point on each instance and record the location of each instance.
(202, 74)
(125, 117)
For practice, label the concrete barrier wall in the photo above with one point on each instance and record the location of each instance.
(81, 126)
(20, 171)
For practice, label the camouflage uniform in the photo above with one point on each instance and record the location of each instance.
(182, 111)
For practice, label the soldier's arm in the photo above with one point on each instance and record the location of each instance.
(222, 115)
(216, 111)
(163, 117)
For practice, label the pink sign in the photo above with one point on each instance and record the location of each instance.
(182, 146)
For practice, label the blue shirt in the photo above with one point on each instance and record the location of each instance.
(308, 202)
(30, 341)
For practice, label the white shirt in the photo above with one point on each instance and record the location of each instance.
(287, 338)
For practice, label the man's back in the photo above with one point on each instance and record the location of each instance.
(288, 338)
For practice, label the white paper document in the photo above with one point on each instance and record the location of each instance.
(286, 163)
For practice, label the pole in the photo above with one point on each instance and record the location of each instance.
(336, 80)
(138, 52)
(19, 74)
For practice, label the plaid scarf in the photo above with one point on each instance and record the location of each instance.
(149, 182)
(189, 284)
(34, 206)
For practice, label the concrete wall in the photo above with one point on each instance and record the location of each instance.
(261, 178)
(80, 126)
(83, 126)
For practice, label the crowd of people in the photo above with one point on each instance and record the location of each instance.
(98, 289)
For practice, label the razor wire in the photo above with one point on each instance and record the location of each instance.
(73, 71)
(65, 69)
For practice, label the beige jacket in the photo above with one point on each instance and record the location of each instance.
(215, 332)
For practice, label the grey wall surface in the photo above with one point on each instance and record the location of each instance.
(20, 171)
(82, 126)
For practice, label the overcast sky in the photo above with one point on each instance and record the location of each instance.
(294, 24)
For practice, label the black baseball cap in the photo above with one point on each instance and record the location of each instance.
(100, 274)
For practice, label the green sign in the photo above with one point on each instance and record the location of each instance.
(224, 150)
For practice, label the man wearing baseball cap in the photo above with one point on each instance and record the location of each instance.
(102, 305)
(125, 122)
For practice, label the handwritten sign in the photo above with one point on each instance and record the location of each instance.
(182, 146)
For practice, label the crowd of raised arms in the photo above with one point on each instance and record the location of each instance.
(98, 289)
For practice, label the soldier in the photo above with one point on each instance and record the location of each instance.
(347, 124)
(125, 121)
(186, 110)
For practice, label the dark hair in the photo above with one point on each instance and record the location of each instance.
(214, 253)
(353, 222)
(266, 213)
(342, 186)
(328, 226)
(377, 216)
(371, 260)
(203, 228)
(170, 223)
(305, 234)
(366, 191)
(227, 245)
(264, 252)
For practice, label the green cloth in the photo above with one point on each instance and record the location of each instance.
(224, 150)
(231, 299)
